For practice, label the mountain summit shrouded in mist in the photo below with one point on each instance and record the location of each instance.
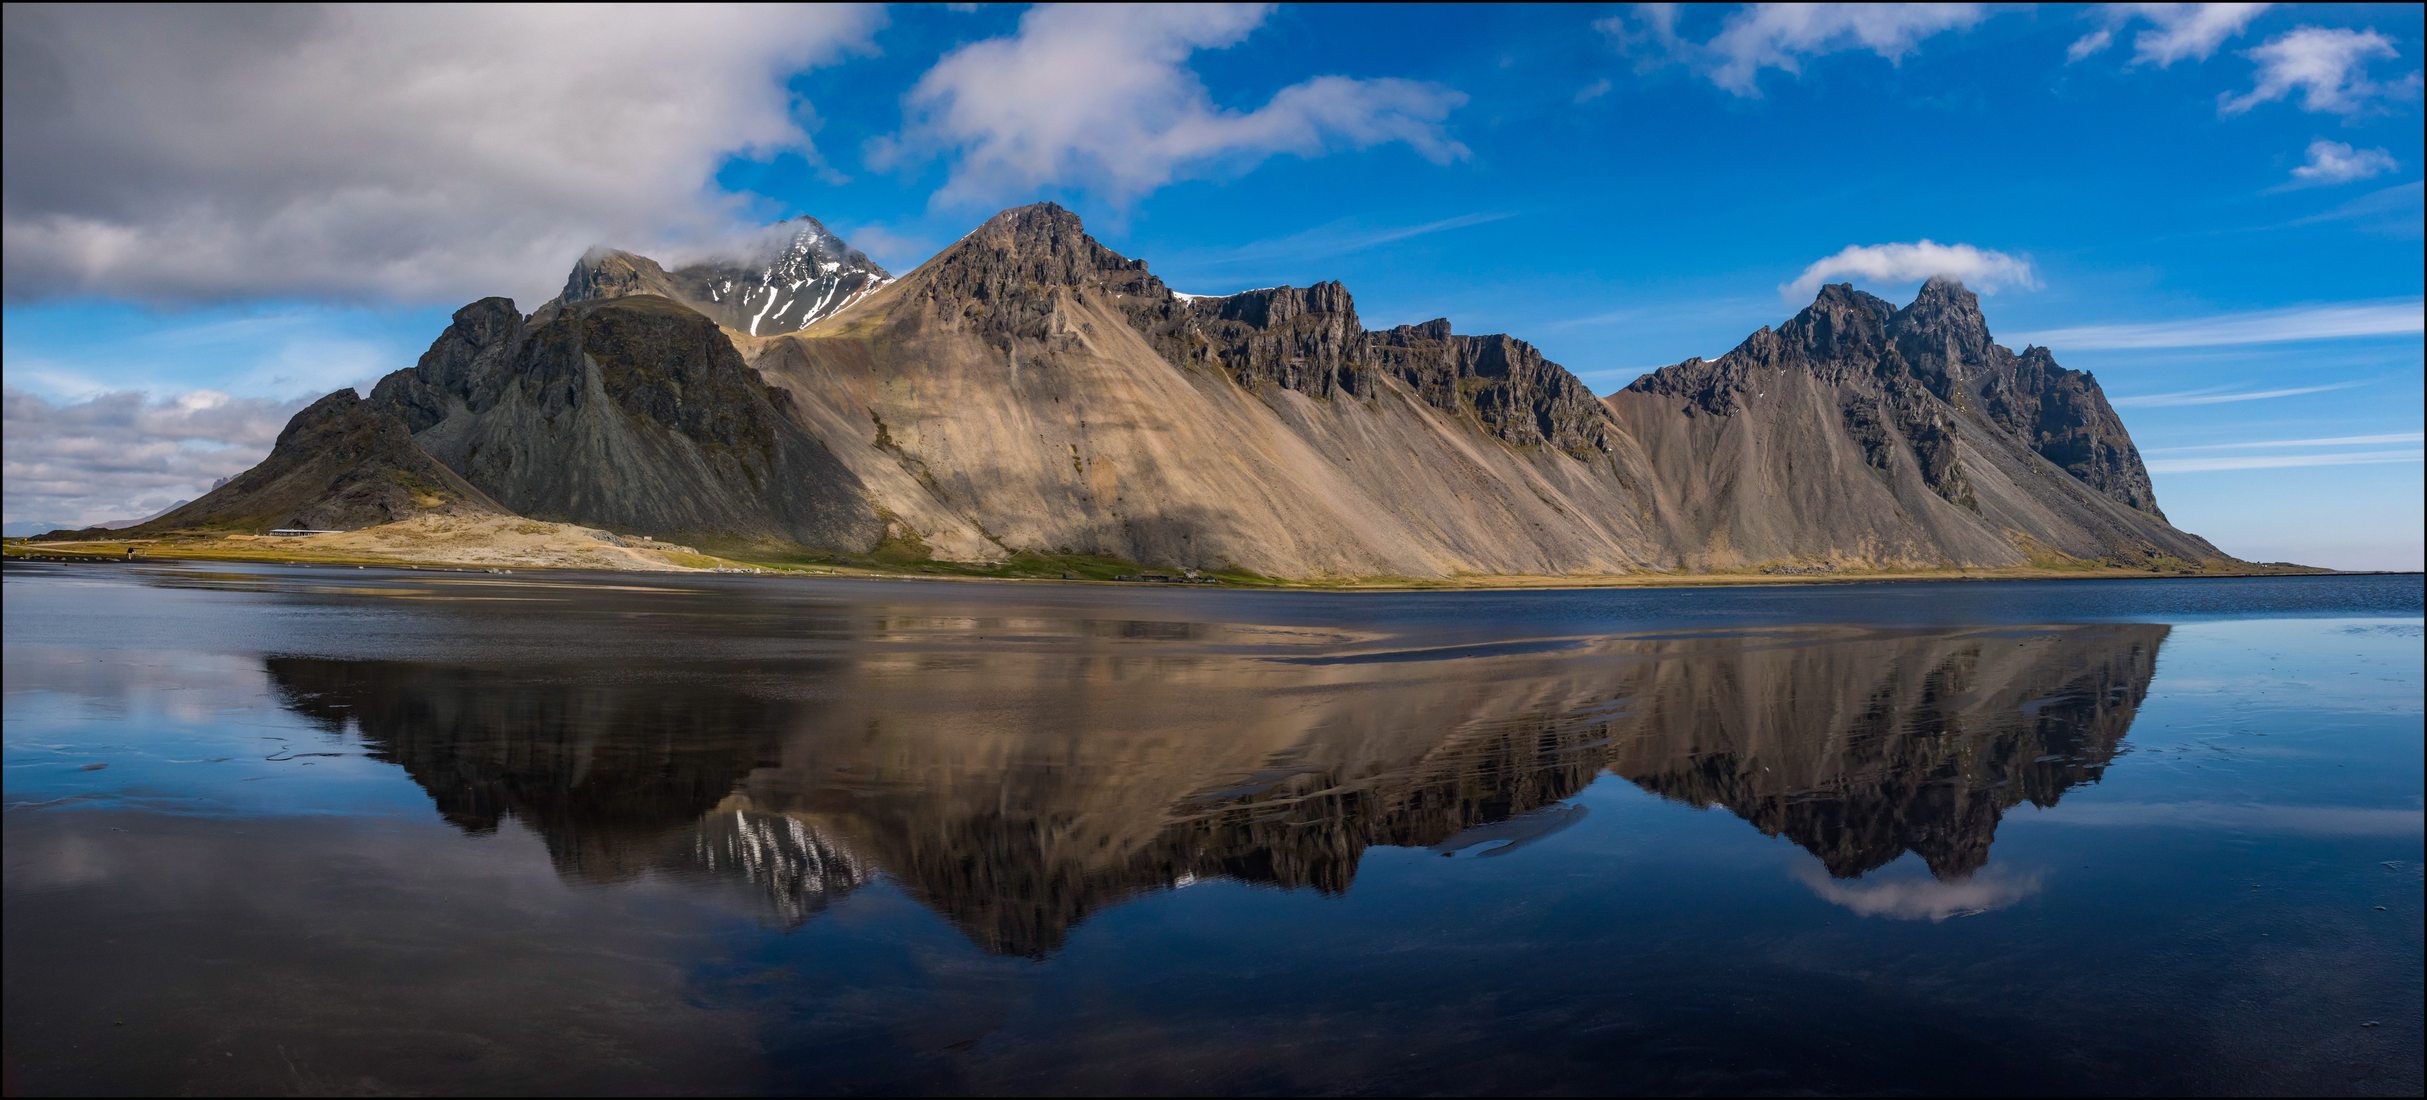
(1029, 390)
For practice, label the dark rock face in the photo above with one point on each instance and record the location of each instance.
(1503, 382)
(340, 464)
(632, 413)
(467, 366)
(1305, 339)
(2068, 421)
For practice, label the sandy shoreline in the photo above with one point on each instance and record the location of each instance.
(490, 543)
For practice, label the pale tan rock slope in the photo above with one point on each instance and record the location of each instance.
(1030, 390)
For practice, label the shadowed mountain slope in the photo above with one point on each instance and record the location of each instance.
(631, 413)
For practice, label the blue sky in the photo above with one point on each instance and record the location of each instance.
(2215, 208)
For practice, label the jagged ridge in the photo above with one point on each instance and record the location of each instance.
(1029, 389)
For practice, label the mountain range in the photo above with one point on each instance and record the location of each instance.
(1030, 391)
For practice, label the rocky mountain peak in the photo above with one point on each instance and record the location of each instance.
(803, 249)
(797, 274)
(614, 273)
(1946, 318)
(1840, 322)
(1004, 276)
(1045, 243)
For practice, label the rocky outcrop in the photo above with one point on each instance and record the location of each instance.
(1502, 382)
(1296, 338)
(2067, 419)
(604, 273)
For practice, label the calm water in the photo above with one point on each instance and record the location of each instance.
(315, 830)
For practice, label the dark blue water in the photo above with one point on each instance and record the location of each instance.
(319, 830)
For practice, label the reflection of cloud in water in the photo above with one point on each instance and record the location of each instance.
(2245, 817)
(1927, 899)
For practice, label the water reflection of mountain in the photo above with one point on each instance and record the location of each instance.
(1018, 790)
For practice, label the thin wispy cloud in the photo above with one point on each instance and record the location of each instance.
(2274, 326)
(1333, 239)
(2222, 396)
(2394, 211)
(2332, 441)
(2222, 463)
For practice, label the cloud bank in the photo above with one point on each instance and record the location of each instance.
(1981, 269)
(125, 455)
(412, 153)
(1103, 98)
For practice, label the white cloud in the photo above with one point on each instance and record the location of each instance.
(1981, 269)
(125, 455)
(1924, 899)
(2223, 396)
(1783, 36)
(2333, 162)
(1593, 91)
(1103, 98)
(1759, 37)
(2333, 441)
(2174, 31)
(2281, 462)
(419, 153)
(2091, 43)
(2273, 326)
(2328, 66)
